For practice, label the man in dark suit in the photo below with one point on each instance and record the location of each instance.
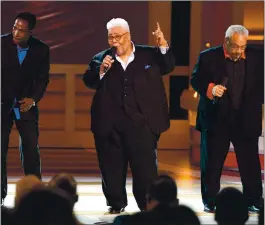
(230, 81)
(129, 111)
(25, 76)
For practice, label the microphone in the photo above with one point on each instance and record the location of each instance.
(223, 83)
(112, 53)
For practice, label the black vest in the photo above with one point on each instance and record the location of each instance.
(236, 74)
(122, 92)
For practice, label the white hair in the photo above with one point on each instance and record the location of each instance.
(236, 29)
(118, 22)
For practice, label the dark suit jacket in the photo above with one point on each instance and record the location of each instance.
(147, 84)
(210, 68)
(29, 79)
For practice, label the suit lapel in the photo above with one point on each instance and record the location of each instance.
(249, 78)
(220, 68)
(134, 65)
(27, 58)
(138, 65)
(13, 55)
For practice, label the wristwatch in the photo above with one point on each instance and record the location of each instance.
(33, 104)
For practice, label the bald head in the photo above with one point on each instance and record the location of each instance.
(26, 185)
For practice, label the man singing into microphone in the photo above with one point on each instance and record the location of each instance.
(129, 111)
(25, 76)
(230, 81)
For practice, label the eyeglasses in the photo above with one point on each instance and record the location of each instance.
(116, 37)
(234, 46)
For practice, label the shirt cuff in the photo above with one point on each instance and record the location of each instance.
(209, 93)
(101, 75)
(163, 49)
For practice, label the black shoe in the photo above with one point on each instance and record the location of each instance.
(209, 208)
(256, 206)
(115, 211)
(253, 209)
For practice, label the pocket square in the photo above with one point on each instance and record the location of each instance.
(147, 66)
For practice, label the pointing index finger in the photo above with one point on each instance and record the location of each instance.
(158, 26)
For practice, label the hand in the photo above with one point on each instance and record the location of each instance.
(218, 90)
(26, 104)
(107, 62)
(160, 40)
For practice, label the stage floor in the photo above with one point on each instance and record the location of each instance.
(91, 206)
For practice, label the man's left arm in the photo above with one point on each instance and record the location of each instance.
(42, 78)
(166, 60)
(164, 57)
(40, 83)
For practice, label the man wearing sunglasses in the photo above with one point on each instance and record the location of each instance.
(129, 111)
(25, 76)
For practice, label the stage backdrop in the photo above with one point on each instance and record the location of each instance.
(75, 31)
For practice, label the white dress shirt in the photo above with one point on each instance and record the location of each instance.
(131, 58)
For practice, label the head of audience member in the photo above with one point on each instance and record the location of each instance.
(119, 36)
(25, 185)
(6, 216)
(162, 190)
(45, 207)
(235, 41)
(67, 183)
(231, 207)
(187, 216)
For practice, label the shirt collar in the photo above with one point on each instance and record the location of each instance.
(133, 46)
(243, 56)
(22, 49)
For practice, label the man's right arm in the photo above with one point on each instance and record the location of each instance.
(91, 77)
(201, 80)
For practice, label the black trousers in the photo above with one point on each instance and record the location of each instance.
(132, 143)
(214, 149)
(29, 150)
